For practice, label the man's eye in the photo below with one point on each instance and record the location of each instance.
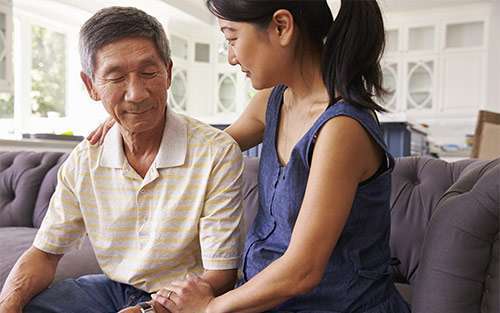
(116, 79)
(149, 74)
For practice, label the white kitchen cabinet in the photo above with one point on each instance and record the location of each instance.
(435, 66)
(435, 61)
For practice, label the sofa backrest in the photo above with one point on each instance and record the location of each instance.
(418, 184)
(47, 188)
(21, 177)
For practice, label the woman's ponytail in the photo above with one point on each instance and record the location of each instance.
(351, 54)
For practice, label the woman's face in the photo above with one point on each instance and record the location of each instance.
(257, 51)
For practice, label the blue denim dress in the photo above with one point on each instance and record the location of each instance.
(357, 277)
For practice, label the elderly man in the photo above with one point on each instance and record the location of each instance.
(159, 199)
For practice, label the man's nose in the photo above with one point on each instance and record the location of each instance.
(136, 90)
(231, 57)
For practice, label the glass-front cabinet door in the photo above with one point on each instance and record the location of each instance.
(227, 93)
(421, 38)
(391, 41)
(390, 73)
(179, 91)
(420, 75)
(465, 35)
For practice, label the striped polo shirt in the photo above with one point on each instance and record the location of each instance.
(183, 216)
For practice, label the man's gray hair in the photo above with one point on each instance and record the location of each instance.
(114, 23)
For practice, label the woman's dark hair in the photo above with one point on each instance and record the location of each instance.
(351, 46)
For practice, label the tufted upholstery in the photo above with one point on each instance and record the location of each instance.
(21, 174)
(444, 227)
(417, 187)
(466, 220)
(46, 190)
(459, 238)
(27, 181)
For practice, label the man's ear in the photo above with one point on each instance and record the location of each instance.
(89, 85)
(282, 26)
(169, 66)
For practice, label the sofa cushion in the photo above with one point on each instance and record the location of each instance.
(16, 240)
(417, 185)
(250, 193)
(459, 267)
(46, 190)
(21, 174)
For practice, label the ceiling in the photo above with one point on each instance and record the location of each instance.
(407, 5)
(197, 7)
(189, 11)
(195, 11)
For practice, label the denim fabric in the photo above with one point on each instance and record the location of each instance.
(357, 277)
(87, 294)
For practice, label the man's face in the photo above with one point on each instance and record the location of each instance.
(131, 80)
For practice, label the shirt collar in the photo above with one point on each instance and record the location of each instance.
(173, 146)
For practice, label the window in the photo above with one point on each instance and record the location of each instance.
(48, 72)
(6, 105)
(47, 94)
(4, 48)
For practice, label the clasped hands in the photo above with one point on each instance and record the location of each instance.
(191, 295)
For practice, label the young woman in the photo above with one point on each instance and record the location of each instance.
(320, 241)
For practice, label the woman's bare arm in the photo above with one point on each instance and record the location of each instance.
(248, 129)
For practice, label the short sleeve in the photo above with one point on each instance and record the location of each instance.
(62, 227)
(221, 217)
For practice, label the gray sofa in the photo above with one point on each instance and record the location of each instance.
(27, 181)
(445, 226)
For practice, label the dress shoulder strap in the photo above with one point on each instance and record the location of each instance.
(367, 118)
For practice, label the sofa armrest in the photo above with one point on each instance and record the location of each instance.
(459, 263)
